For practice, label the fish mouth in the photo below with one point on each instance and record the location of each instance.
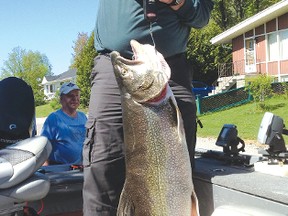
(126, 61)
(122, 63)
(120, 59)
(136, 49)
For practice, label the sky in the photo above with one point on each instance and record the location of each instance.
(48, 26)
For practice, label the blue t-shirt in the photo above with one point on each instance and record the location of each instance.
(66, 135)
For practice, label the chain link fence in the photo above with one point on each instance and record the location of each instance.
(231, 98)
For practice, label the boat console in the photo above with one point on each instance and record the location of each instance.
(230, 182)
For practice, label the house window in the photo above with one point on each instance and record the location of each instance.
(249, 45)
(250, 64)
(273, 50)
(283, 38)
(52, 89)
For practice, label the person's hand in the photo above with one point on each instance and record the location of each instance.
(176, 7)
(46, 163)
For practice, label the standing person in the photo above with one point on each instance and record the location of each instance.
(65, 128)
(117, 22)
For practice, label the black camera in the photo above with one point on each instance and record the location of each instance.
(150, 10)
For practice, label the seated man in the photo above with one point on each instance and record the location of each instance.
(65, 128)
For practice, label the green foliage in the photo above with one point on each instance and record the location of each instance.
(260, 88)
(79, 44)
(55, 102)
(223, 14)
(285, 89)
(84, 63)
(255, 6)
(39, 97)
(228, 13)
(29, 66)
(13, 66)
(203, 56)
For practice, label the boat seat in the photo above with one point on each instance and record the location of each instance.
(20, 160)
(19, 180)
(35, 187)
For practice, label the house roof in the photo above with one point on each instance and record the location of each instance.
(258, 19)
(71, 73)
(67, 74)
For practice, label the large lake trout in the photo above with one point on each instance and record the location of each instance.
(158, 171)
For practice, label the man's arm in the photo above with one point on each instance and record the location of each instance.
(195, 13)
(175, 7)
(47, 132)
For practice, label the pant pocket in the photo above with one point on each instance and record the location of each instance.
(88, 142)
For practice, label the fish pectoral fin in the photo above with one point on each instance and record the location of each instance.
(178, 117)
(195, 206)
(125, 207)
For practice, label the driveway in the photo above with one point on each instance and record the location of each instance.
(39, 124)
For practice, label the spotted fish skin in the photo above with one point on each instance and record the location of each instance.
(158, 171)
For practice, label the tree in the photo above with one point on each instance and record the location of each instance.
(13, 66)
(79, 44)
(84, 63)
(228, 13)
(29, 66)
(223, 14)
(203, 56)
(255, 6)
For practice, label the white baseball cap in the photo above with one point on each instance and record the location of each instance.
(68, 87)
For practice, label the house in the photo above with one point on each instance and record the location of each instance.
(259, 46)
(53, 83)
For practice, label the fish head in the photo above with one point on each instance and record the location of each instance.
(145, 77)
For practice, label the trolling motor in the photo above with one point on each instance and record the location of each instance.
(229, 140)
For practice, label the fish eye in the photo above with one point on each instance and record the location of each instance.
(124, 71)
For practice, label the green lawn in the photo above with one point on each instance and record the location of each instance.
(247, 118)
(45, 110)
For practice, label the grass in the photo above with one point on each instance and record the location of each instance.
(246, 117)
(45, 110)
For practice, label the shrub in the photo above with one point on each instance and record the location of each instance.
(260, 88)
(285, 89)
(55, 102)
